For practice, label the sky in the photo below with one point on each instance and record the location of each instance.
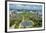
(25, 6)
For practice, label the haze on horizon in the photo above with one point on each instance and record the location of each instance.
(25, 6)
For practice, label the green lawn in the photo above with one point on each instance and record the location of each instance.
(26, 16)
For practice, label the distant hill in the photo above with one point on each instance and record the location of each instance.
(27, 7)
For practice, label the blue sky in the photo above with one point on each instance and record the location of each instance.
(25, 6)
